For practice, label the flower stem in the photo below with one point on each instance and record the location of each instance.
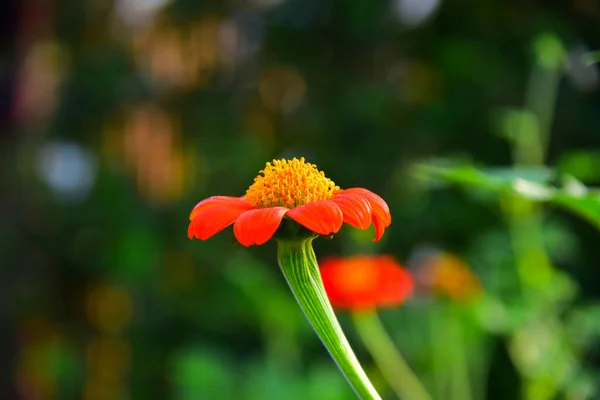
(299, 266)
(391, 363)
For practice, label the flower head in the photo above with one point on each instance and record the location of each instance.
(448, 275)
(365, 282)
(294, 189)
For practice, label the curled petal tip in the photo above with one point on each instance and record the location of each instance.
(380, 212)
(356, 209)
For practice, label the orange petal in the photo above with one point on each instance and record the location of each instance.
(237, 202)
(213, 219)
(395, 282)
(380, 211)
(364, 282)
(351, 283)
(258, 226)
(379, 227)
(323, 217)
(356, 209)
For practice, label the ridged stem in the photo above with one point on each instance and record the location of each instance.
(389, 360)
(299, 266)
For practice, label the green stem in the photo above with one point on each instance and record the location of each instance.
(525, 219)
(461, 380)
(391, 363)
(299, 266)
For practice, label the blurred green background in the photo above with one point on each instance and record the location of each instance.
(119, 116)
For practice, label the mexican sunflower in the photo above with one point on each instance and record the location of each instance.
(449, 275)
(361, 284)
(289, 189)
(365, 282)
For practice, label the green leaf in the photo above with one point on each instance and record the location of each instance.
(496, 179)
(587, 207)
(262, 381)
(197, 372)
(581, 326)
(529, 184)
(591, 58)
(583, 165)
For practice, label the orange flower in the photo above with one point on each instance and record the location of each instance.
(448, 275)
(364, 282)
(294, 189)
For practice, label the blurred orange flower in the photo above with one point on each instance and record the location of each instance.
(365, 282)
(295, 189)
(449, 275)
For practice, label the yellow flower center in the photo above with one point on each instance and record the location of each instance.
(290, 184)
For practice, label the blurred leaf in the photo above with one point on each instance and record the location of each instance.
(527, 182)
(573, 196)
(583, 165)
(198, 373)
(492, 259)
(265, 382)
(561, 244)
(509, 315)
(493, 315)
(325, 381)
(583, 386)
(322, 381)
(587, 207)
(582, 325)
(534, 174)
(591, 58)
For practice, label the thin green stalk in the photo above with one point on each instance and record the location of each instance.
(461, 381)
(438, 354)
(525, 219)
(299, 266)
(389, 360)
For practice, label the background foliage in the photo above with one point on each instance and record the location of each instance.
(121, 116)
